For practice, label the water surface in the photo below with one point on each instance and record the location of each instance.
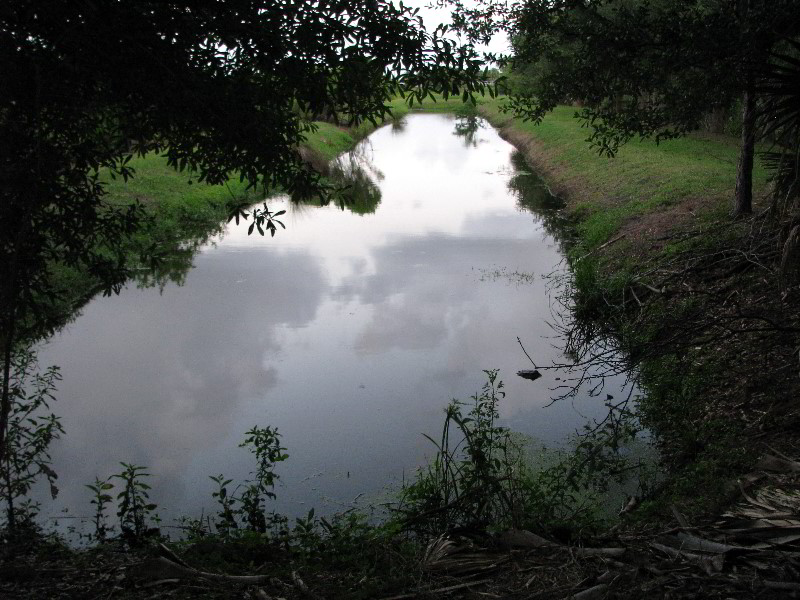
(350, 332)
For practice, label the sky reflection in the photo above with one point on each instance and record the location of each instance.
(348, 332)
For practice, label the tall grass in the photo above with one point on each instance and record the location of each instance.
(482, 476)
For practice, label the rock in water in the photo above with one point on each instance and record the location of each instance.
(532, 375)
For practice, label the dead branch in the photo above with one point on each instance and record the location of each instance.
(443, 590)
(163, 568)
(600, 247)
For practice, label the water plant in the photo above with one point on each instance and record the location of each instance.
(264, 444)
(484, 478)
(474, 479)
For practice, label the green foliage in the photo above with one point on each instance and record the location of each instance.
(263, 218)
(704, 455)
(227, 502)
(473, 480)
(244, 507)
(31, 430)
(134, 508)
(481, 477)
(369, 559)
(780, 117)
(264, 444)
(222, 92)
(671, 60)
(100, 498)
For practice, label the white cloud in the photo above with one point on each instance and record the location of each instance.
(432, 17)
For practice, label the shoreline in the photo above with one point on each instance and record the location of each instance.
(642, 274)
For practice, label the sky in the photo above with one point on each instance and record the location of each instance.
(434, 16)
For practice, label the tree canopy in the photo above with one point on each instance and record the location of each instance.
(221, 88)
(642, 67)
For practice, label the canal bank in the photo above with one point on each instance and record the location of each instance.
(698, 301)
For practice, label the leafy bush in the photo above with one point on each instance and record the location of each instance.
(31, 429)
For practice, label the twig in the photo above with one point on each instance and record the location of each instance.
(635, 297)
(301, 585)
(650, 287)
(161, 582)
(181, 571)
(592, 593)
(600, 247)
(167, 553)
(519, 341)
(608, 552)
(552, 593)
(451, 588)
(679, 517)
(782, 585)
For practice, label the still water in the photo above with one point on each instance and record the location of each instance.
(349, 331)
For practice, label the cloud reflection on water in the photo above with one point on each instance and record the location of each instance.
(349, 333)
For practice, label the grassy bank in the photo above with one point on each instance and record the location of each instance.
(695, 299)
(695, 175)
(182, 214)
(174, 196)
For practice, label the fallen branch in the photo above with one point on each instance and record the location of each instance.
(301, 585)
(782, 585)
(443, 590)
(600, 247)
(163, 568)
(709, 564)
(607, 552)
(592, 593)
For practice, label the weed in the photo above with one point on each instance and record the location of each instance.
(472, 481)
(482, 479)
(264, 444)
(305, 535)
(100, 499)
(31, 430)
(245, 504)
(134, 508)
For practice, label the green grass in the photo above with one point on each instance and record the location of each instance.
(453, 104)
(643, 177)
(168, 192)
(180, 205)
(329, 141)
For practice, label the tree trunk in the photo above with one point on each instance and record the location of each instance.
(743, 197)
(717, 119)
(5, 394)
